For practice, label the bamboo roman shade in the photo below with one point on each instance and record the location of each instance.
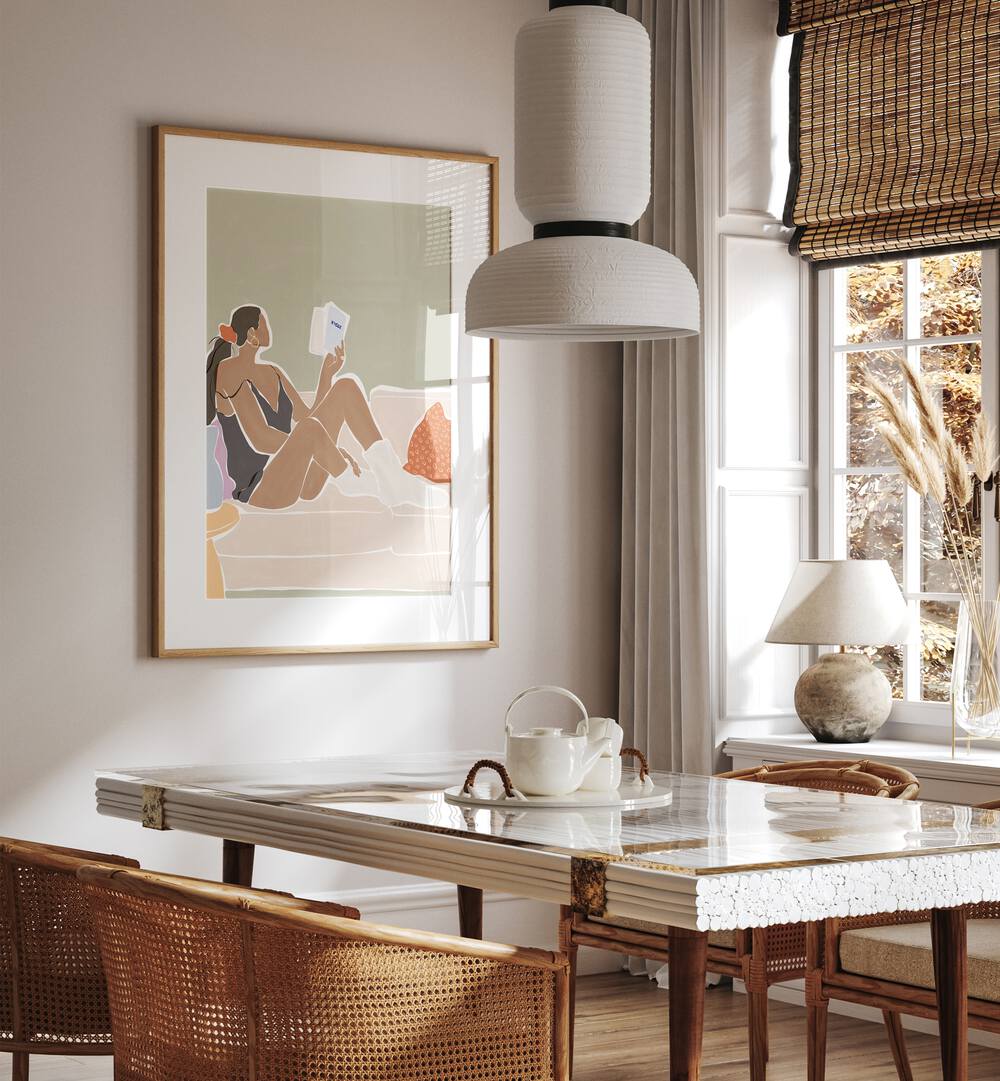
(895, 128)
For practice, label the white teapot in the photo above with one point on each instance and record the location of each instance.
(550, 761)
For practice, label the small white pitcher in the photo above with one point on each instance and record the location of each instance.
(606, 773)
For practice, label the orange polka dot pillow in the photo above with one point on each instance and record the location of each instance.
(429, 452)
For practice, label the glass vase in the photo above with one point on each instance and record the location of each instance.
(975, 673)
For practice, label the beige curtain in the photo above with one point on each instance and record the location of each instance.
(664, 683)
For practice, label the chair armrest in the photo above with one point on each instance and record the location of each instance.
(57, 858)
(219, 895)
(296, 913)
(329, 908)
(450, 945)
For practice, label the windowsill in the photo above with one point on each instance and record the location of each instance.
(926, 760)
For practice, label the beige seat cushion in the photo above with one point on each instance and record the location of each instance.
(715, 938)
(902, 954)
(722, 938)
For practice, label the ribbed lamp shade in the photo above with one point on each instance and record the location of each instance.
(583, 288)
(833, 602)
(582, 117)
(582, 167)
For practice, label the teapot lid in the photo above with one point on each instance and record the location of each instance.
(546, 733)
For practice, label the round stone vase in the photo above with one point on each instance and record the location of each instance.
(843, 698)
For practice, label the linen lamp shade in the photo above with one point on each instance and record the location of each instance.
(841, 602)
(582, 170)
(843, 697)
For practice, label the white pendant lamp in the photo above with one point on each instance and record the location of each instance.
(582, 167)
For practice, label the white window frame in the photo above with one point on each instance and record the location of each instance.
(831, 419)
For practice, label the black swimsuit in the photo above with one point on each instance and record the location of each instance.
(246, 465)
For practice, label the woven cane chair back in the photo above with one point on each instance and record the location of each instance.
(208, 981)
(832, 775)
(52, 991)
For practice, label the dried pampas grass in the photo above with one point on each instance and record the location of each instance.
(934, 466)
(937, 487)
(956, 470)
(983, 448)
(932, 462)
(918, 461)
(893, 408)
(908, 458)
(928, 409)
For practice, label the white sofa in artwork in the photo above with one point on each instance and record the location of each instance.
(337, 544)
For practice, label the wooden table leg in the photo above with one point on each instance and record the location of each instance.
(569, 947)
(951, 981)
(470, 912)
(688, 960)
(237, 863)
(817, 1002)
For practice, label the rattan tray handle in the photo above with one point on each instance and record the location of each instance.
(498, 767)
(634, 752)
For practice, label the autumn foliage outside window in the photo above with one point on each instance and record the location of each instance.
(927, 311)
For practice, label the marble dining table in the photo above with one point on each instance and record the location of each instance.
(712, 854)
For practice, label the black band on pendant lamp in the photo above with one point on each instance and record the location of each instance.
(553, 4)
(582, 228)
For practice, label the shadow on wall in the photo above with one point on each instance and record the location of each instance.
(756, 107)
(84, 691)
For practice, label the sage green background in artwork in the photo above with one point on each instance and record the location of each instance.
(385, 264)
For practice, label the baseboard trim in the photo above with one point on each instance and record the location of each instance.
(795, 994)
(508, 918)
(404, 898)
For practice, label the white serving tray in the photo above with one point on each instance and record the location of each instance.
(625, 798)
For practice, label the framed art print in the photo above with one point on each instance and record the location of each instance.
(325, 453)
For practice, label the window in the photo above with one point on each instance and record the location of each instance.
(940, 313)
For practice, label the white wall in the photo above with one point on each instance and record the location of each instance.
(80, 85)
(758, 335)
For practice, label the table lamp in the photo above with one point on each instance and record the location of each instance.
(843, 697)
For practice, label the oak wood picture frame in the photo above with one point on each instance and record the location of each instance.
(159, 644)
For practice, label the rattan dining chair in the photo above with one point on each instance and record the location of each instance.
(223, 983)
(53, 999)
(761, 957)
(886, 962)
(863, 778)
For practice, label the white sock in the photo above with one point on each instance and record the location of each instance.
(350, 484)
(398, 488)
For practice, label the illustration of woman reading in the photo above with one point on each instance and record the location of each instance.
(278, 449)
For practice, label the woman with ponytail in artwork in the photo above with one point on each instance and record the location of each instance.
(278, 449)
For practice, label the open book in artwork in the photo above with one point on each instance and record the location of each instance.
(328, 328)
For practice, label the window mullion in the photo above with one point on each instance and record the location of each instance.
(911, 506)
(990, 358)
(911, 575)
(914, 339)
(911, 299)
(829, 488)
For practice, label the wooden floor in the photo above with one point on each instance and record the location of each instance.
(622, 1036)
